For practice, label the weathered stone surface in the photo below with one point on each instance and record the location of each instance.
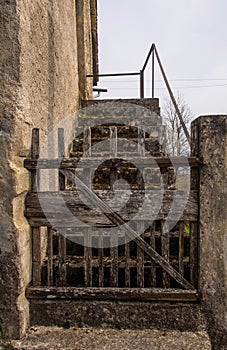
(210, 139)
(92, 339)
(151, 104)
(125, 315)
(39, 87)
(124, 111)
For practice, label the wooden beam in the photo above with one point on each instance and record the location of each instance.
(181, 248)
(36, 256)
(101, 260)
(34, 176)
(114, 260)
(50, 256)
(65, 163)
(140, 259)
(165, 254)
(88, 257)
(62, 273)
(153, 264)
(194, 253)
(140, 294)
(127, 265)
(61, 154)
(95, 216)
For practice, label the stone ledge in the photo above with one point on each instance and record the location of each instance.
(99, 339)
(119, 315)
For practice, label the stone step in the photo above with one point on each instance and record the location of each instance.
(149, 103)
(109, 339)
(181, 316)
(139, 112)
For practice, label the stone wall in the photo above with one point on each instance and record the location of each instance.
(39, 87)
(209, 136)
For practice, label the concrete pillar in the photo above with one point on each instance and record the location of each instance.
(209, 137)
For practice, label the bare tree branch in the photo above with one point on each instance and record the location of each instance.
(177, 144)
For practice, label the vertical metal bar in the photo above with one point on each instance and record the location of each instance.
(50, 256)
(114, 260)
(88, 256)
(141, 84)
(181, 248)
(140, 259)
(36, 256)
(61, 154)
(165, 254)
(153, 73)
(35, 155)
(101, 256)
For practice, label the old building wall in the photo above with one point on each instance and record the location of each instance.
(85, 49)
(39, 87)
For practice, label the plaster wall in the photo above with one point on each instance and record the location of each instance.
(39, 86)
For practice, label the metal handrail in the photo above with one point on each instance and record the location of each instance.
(140, 73)
(153, 51)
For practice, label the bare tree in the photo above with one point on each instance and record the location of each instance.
(177, 144)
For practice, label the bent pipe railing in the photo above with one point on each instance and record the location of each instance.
(153, 51)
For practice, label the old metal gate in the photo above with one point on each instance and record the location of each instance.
(154, 265)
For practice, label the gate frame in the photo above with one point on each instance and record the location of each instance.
(164, 294)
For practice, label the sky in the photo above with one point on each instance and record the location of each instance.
(191, 39)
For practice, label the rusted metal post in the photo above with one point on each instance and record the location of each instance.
(141, 84)
(153, 72)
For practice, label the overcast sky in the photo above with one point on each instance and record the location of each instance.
(191, 38)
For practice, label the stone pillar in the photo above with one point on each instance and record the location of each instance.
(209, 138)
